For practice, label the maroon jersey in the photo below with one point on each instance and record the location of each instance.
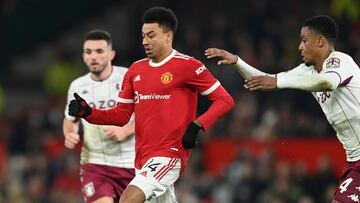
(164, 98)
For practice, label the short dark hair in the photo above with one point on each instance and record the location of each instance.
(99, 35)
(323, 25)
(165, 17)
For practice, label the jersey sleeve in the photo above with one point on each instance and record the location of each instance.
(301, 69)
(339, 66)
(207, 85)
(200, 78)
(119, 115)
(308, 79)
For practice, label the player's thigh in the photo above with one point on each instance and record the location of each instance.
(157, 177)
(104, 200)
(96, 184)
(348, 189)
(132, 194)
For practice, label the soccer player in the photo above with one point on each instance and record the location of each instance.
(108, 152)
(162, 90)
(334, 80)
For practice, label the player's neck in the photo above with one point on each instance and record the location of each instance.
(103, 75)
(323, 56)
(163, 56)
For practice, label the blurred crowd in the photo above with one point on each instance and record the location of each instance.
(36, 168)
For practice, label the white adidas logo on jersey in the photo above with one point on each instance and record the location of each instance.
(137, 78)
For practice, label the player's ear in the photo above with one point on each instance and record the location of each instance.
(169, 37)
(83, 55)
(321, 40)
(112, 54)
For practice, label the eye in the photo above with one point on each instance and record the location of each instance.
(151, 35)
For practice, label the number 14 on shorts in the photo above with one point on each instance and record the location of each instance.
(158, 167)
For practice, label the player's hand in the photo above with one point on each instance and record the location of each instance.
(261, 83)
(117, 134)
(78, 107)
(225, 56)
(190, 138)
(71, 139)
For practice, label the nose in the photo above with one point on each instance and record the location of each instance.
(301, 47)
(145, 41)
(93, 57)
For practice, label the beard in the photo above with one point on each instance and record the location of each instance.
(97, 70)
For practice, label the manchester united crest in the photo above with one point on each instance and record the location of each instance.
(166, 78)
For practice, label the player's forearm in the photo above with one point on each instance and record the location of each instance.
(118, 116)
(222, 103)
(313, 83)
(247, 71)
(70, 126)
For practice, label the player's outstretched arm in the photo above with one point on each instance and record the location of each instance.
(262, 83)
(225, 57)
(245, 70)
(119, 115)
(78, 107)
(294, 79)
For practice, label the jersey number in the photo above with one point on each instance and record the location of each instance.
(153, 167)
(345, 184)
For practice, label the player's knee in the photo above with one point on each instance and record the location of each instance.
(132, 194)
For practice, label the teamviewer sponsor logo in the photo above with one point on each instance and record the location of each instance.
(138, 97)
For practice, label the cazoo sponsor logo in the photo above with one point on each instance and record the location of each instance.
(103, 104)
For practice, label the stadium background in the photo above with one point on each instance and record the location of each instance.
(273, 147)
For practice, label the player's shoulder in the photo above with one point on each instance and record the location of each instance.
(139, 62)
(182, 56)
(119, 70)
(135, 66)
(82, 80)
(336, 58)
(189, 60)
(339, 54)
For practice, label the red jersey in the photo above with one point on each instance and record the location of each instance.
(164, 98)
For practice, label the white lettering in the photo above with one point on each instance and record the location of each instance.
(200, 70)
(154, 96)
(103, 104)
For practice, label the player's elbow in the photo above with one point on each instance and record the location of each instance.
(230, 102)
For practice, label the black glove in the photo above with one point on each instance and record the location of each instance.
(78, 107)
(190, 138)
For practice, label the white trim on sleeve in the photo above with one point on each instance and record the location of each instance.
(211, 89)
(126, 101)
